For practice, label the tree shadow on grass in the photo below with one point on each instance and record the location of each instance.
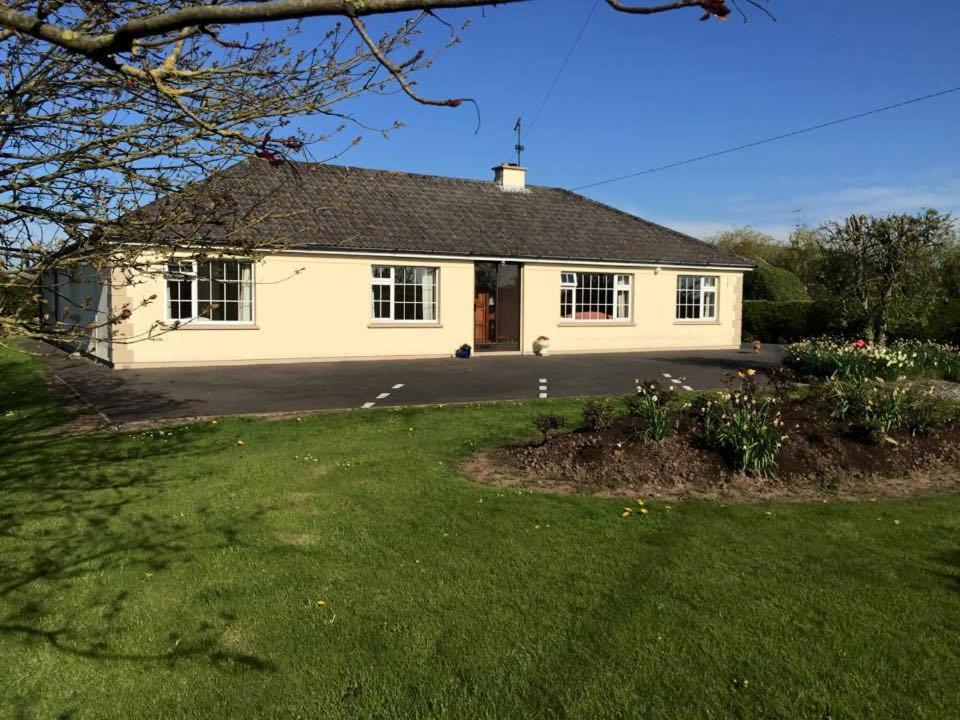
(73, 510)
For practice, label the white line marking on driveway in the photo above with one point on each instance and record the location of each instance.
(381, 396)
(368, 405)
(687, 387)
(543, 395)
(666, 375)
(674, 381)
(398, 386)
(543, 380)
(543, 387)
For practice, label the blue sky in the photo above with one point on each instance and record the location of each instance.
(646, 91)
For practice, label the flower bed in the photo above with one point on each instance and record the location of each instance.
(831, 438)
(860, 360)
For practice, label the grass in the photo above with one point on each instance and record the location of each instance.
(340, 567)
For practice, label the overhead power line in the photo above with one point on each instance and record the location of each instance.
(563, 66)
(784, 136)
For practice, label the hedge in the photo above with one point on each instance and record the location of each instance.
(769, 282)
(778, 322)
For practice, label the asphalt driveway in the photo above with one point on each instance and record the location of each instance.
(131, 396)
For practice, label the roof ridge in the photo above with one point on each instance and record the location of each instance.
(385, 171)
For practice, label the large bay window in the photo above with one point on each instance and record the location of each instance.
(402, 293)
(696, 297)
(595, 296)
(210, 291)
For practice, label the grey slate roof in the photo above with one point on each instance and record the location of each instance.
(332, 207)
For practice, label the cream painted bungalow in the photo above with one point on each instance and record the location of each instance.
(358, 263)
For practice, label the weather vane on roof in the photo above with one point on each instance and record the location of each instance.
(518, 147)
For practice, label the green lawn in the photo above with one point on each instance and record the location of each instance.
(340, 567)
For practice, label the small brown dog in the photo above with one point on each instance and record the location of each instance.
(756, 347)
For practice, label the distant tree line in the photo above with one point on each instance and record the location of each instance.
(873, 277)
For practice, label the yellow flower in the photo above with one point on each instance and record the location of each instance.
(897, 522)
(536, 527)
(321, 602)
(669, 507)
(639, 501)
(644, 511)
(240, 442)
(213, 422)
(625, 513)
(751, 372)
(740, 375)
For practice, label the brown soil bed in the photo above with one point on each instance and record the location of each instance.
(821, 458)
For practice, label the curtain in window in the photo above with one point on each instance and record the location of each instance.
(429, 294)
(246, 292)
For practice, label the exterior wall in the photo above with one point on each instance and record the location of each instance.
(77, 305)
(324, 312)
(653, 324)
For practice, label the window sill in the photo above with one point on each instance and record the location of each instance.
(214, 326)
(696, 322)
(596, 323)
(402, 324)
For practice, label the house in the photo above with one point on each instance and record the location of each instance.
(359, 263)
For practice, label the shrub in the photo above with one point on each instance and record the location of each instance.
(597, 415)
(922, 413)
(777, 322)
(649, 404)
(883, 412)
(745, 426)
(843, 399)
(769, 282)
(545, 422)
(873, 409)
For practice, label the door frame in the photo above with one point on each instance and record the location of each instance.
(494, 345)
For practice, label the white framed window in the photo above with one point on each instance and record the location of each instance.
(696, 297)
(592, 296)
(403, 293)
(209, 291)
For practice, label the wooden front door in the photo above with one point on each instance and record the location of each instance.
(483, 317)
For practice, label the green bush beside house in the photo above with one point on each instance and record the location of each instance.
(775, 284)
(777, 322)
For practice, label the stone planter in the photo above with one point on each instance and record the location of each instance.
(541, 347)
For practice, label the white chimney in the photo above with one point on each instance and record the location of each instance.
(510, 176)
